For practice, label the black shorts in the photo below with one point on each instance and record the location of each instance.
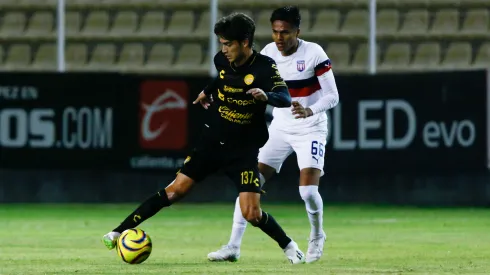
(239, 164)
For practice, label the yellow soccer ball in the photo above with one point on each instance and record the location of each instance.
(134, 246)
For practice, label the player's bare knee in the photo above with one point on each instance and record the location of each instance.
(179, 188)
(252, 214)
(266, 171)
(309, 176)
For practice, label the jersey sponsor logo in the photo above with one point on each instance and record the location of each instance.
(230, 89)
(163, 115)
(240, 102)
(249, 79)
(300, 65)
(234, 116)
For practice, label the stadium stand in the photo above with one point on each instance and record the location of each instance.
(172, 35)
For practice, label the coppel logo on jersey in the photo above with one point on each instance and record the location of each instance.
(163, 115)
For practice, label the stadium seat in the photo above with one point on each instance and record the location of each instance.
(416, 22)
(476, 21)
(446, 22)
(483, 56)
(181, 23)
(72, 22)
(427, 56)
(458, 55)
(41, 23)
(339, 54)
(356, 22)
(161, 57)
(202, 27)
(76, 56)
(2, 55)
(360, 63)
(189, 55)
(97, 23)
(103, 57)
(153, 22)
(37, 3)
(45, 58)
(305, 25)
(207, 61)
(13, 23)
(125, 23)
(397, 57)
(132, 55)
(387, 22)
(263, 23)
(18, 56)
(326, 22)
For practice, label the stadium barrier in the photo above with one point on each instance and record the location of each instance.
(70, 136)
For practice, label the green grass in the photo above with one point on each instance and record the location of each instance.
(66, 239)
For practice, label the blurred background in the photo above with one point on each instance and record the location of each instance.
(86, 85)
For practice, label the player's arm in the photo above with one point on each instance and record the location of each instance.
(275, 88)
(211, 87)
(330, 94)
(206, 96)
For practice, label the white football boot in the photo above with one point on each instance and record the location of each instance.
(110, 239)
(225, 253)
(315, 248)
(294, 255)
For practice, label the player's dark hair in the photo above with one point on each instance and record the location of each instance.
(288, 14)
(236, 26)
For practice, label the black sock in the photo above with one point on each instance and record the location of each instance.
(146, 210)
(270, 227)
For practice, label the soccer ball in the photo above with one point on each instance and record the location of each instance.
(134, 246)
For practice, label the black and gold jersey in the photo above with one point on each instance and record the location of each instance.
(238, 118)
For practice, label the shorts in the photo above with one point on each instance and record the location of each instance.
(309, 149)
(240, 165)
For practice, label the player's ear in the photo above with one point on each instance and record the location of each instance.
(246, 43)
(298, 30)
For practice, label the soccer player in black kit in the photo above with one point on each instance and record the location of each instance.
(237, 98)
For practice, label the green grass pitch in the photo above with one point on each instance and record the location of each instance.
(66, 239)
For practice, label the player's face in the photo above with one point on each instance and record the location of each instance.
(233, 50)
(284, 35)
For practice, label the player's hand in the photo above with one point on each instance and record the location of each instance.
(299, 111)
(258, 94)
(204, 100)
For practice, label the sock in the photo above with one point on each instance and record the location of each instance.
(270, 227)
(314, 208)
(146, 210)
(239, 226)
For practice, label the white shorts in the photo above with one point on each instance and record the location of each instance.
(309, 149)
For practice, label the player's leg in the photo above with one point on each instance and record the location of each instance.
(163, 198)
(251, 210)
(196, 167)
(271, 157)
(310, 150)
(245, 176)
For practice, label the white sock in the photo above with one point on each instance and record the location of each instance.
(314, 208)
(239, 226)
